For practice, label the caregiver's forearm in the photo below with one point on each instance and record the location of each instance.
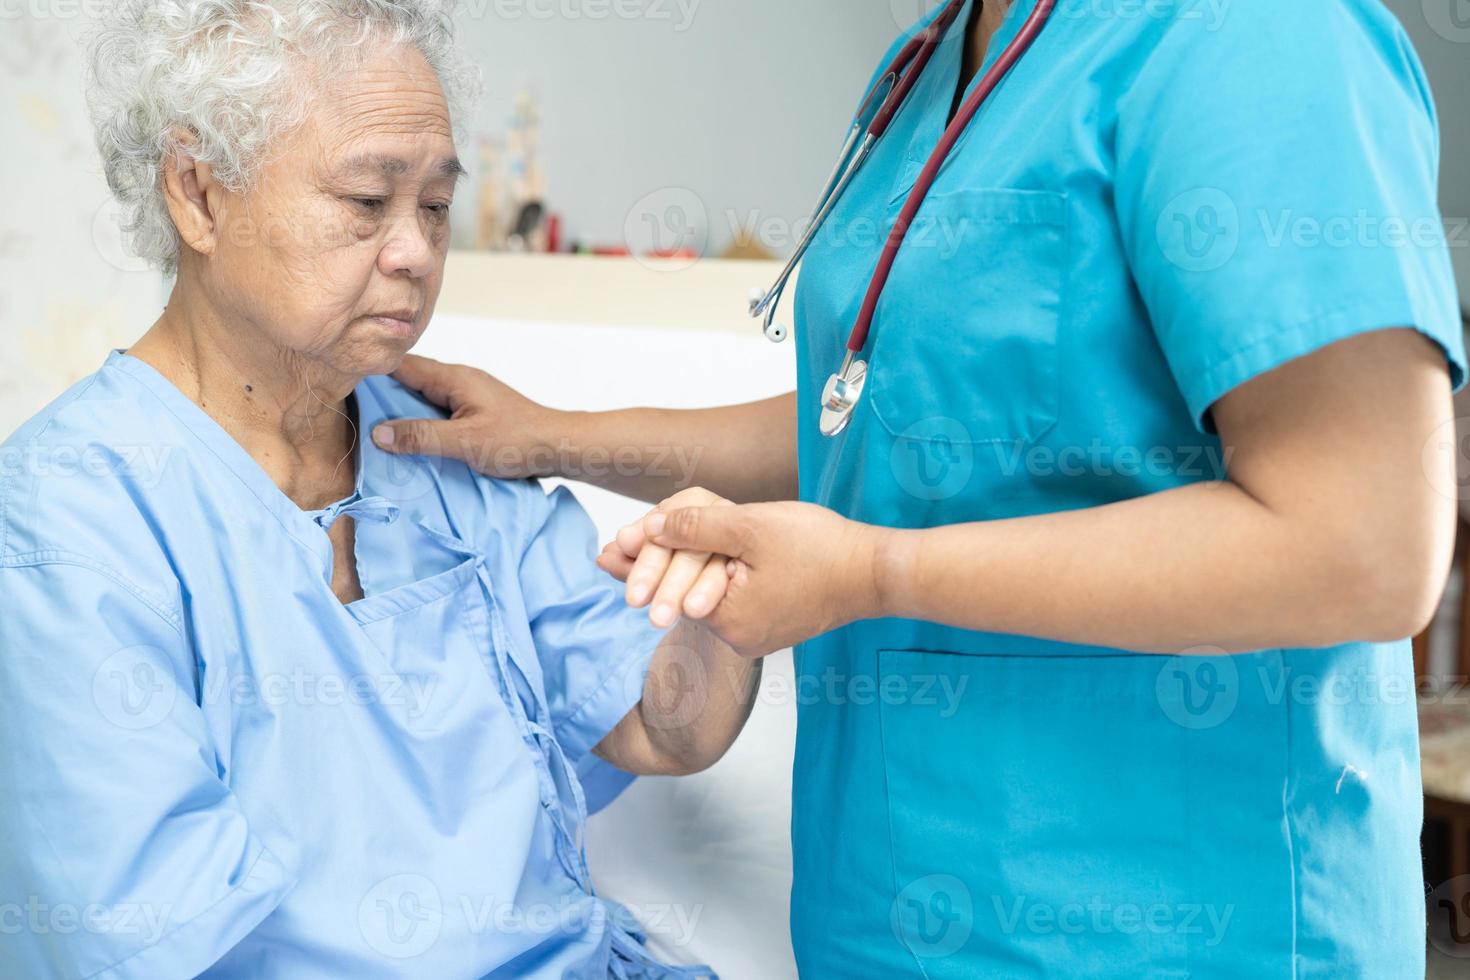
(1337, 524)
(1202, 566)
(745, 453)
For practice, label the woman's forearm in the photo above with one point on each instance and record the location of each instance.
(1206, 566)
(745, 453)
(697, 697)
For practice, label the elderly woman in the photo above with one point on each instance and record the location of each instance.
(281, 705)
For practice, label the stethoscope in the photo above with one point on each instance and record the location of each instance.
(845, 388)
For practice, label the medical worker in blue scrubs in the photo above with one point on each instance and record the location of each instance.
(1150, 473)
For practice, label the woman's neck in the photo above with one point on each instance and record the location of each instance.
(285, 410)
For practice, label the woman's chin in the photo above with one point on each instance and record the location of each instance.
(375, 349)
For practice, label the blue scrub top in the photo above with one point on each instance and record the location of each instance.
(1163, 201)
(210, 765)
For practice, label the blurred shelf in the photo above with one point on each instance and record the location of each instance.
(710, 294)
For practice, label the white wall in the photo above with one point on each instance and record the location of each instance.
(741, 102)
(67, 291)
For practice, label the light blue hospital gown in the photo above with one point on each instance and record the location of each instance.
(208, 764)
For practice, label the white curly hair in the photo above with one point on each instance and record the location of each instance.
(235, 75)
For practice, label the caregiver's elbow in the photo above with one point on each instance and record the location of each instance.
(1389, 579)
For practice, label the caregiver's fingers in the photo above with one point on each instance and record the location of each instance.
(668, 602)
(647, 571)
(435, 380)
(709, 589)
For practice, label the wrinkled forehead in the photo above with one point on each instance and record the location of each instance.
(384, 116)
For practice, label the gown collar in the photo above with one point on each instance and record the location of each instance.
(307, 526)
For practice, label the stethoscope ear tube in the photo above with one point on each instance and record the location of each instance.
(925, 182)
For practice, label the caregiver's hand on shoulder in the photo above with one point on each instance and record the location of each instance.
(492, 427)
(794, 570)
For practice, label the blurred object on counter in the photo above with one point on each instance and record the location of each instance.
(490, 233)
(527, 179)
(747, 246)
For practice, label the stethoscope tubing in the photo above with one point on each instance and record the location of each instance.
(858, 339)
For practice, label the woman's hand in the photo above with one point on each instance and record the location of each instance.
(688, 583)
(492, 427)
(793, 571)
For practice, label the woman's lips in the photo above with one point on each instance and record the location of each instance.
(399, 326)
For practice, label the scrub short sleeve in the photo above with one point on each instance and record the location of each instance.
(593, 649)
(1277, 173)
(125, 854)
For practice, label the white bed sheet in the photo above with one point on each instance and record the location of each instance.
(705, 861)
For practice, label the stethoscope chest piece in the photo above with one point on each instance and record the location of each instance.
(841, 396)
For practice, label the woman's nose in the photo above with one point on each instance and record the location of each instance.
(409, 249)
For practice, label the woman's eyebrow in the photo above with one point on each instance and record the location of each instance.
(391, 166)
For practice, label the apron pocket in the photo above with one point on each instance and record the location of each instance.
(965, 348)
(1058, 814)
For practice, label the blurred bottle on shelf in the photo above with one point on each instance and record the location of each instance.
(527, 231)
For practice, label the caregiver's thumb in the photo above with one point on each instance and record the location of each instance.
(719, 530)
(423, 437)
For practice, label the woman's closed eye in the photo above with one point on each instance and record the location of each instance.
(376, 205)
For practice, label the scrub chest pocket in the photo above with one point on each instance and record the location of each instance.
(976, 346)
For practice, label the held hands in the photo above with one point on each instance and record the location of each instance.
(762, 577)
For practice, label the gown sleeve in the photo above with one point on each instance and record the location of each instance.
(593, 649)
(1276, 187)
(125, 854)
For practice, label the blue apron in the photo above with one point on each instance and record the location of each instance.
(1123, 236)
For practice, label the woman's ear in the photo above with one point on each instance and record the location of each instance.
(193, 197)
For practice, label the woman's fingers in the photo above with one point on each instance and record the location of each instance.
(615, 562)
(632, 539)
(647, 572)
(668, 602)
(709, 589)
